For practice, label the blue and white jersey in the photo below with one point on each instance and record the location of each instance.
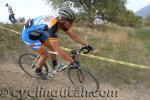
(42, 20)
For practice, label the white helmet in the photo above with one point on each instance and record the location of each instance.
(67, 13)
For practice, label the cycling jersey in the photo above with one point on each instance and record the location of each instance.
(34, 31)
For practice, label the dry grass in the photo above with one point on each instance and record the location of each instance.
(117, 43)
(109, 41)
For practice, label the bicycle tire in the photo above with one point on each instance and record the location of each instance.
(82, 74)
(23, 67)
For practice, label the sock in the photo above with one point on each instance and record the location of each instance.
(38, 70)
(54, 63)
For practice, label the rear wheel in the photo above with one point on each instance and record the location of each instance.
(82, 78)
(27, 63)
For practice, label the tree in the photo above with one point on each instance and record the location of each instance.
(91, 8)
(111, 10)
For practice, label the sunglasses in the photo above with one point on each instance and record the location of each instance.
(69, 20)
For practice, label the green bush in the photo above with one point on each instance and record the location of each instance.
(147, 21)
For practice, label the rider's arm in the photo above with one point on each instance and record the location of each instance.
(76, 37)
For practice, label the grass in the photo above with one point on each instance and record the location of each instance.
(144, 35)
(16, 27)
(11, 44)
(112, 41)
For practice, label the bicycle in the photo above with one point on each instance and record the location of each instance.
(79, 77)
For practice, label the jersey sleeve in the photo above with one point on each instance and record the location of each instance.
(53, 27)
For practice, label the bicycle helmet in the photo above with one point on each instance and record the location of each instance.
(67, 13)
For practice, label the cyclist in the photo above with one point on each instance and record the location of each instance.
(41, 33)
(11, 13)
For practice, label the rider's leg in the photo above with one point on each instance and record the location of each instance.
(54, 45)
(45, 42)
(54, 60)
(42, 59)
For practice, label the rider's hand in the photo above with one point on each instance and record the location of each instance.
(74, 65)
(86, 49)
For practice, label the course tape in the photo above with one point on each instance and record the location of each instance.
(10, 30)
(98, 57)
(112, 60)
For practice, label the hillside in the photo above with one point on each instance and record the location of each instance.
(110, 41)
(144, 11)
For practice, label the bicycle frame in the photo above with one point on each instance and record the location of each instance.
(48, 65)
(79, 72)
(74, 55)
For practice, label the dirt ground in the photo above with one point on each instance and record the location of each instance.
(16, 85)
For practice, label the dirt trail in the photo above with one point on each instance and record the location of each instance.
(13, 78)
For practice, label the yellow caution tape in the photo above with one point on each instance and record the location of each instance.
(10, 30)
(98, 57)
(112, 60)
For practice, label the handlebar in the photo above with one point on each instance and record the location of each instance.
(75, 53)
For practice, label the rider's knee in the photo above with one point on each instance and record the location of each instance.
(42, 52)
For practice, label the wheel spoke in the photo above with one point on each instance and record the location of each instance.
(83, 78)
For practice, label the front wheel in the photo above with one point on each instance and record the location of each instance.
(82, 78)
